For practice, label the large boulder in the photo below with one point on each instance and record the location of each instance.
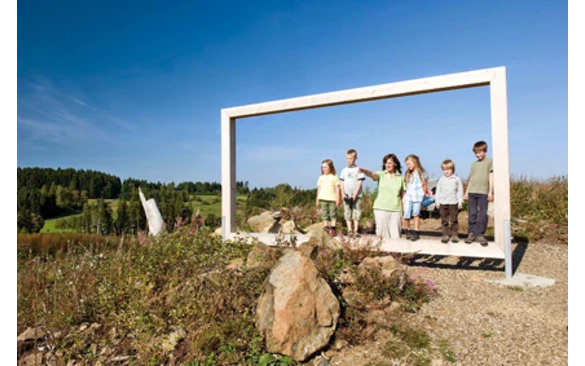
(297, 311)
(266, 222)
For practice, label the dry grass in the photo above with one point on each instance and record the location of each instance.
(106, 297)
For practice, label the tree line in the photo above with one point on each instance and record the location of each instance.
(45, 193)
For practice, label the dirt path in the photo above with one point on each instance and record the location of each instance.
(486, 323)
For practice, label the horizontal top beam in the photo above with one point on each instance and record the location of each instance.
(460, 80)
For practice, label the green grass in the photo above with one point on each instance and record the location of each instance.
(211, 204)
(51, 225)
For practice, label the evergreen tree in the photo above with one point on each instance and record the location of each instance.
(122, 222)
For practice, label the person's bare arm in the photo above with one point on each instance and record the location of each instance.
(369, 173)
(317, 198)
(491, 187)
(357, 189)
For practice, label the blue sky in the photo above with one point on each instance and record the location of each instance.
(135, 88)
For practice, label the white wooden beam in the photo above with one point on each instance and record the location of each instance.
(500, 153)
(391, 90)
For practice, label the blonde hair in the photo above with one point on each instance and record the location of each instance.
(448, 164)
(417, 167)
(331, 166)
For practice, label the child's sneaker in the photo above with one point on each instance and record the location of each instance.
(482, 240)
(445, 239)
(408, 234)
(333, 231)
(414, 236)
(454, 239)
(470, 238)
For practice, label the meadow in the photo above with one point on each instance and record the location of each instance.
(186, 298)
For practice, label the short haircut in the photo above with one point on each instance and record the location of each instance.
(351, 152)
(448, 164)
(480, 146)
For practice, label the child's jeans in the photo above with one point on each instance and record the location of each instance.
(478, 207)
(411, 209)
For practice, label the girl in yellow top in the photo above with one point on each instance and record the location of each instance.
(328, 197)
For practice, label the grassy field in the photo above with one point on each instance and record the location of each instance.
(51, 225)
(206, 204)
(211, 204)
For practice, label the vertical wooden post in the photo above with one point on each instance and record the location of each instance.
(228, 174)
(501, 156)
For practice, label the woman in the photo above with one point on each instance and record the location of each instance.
(388, 203)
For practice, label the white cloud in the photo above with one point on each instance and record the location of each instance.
(51, 114)
(42, 130)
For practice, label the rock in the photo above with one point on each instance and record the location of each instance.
(31, 334)
(321, 361)
(33, 359)
(387, 265)
(173, 339)
(322, 239)
(267, 222)
(288, 227)
(297, 311)
(217, 232)
(318, 227)
(262, 256)
(309, 250)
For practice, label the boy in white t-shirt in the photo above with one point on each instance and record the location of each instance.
(351, 180)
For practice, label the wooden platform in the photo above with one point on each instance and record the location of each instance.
(431, 246)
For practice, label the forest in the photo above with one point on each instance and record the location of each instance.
(97, 202)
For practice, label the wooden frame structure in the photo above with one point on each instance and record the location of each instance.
(494, 78)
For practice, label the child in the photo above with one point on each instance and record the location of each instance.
(391, 188)
(449, 200)
(480, 190)
(416, 186)
(328, 195)
(351, 187)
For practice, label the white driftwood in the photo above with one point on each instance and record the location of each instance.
(153, 216)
